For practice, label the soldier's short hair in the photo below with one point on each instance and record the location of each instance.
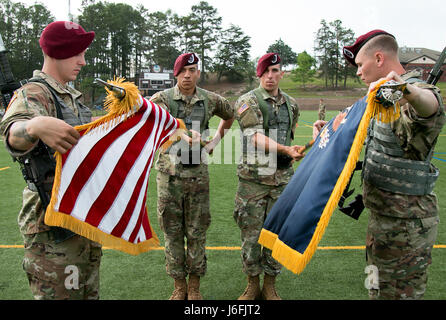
(382, 42)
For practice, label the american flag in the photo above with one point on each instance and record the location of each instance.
(101, 184)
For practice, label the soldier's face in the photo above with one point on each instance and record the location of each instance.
(270, 79)
(69, 68)
(368, 67)
(188, 77)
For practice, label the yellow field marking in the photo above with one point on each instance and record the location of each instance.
(1, 169)
(438, 246)
(342, 248)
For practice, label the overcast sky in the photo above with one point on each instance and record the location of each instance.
(414, 23)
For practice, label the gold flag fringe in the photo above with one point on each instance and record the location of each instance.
(176, 136)
(116, 108)
(379, 112)
(294, 260)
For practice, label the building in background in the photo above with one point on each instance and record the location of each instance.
(421, 58)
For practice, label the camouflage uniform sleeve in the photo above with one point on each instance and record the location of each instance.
(221, 106)
(249, 115)
(160, 99)
(296, 115)
(418, 135)
(32, 100)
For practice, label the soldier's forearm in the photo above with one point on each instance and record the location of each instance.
(423, 100)
(19, 137)
(223, 126)
(265, 143)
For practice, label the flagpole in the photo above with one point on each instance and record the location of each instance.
(70, 16)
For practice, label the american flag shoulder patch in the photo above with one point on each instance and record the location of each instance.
(243, 108)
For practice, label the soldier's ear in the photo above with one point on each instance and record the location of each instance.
(379, 58)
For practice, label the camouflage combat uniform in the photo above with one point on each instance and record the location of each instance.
(55, 270)
(321, 111)
(261, 178)
(403, 226)
(183, 183)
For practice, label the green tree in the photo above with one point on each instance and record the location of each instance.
(97, 55)
(20, 27)
(324, 49)
(232, 56)
(141, 37)
(183, 33)
(205, 27)
(343, 37)
(162, 39)
(287, 55)
(330, 39)
(305, 68)
(112, 53)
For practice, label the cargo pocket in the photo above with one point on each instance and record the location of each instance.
(36, 263)
(424, 233)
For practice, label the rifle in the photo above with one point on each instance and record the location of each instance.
(7, 82)
(37, 168)
(436, 72)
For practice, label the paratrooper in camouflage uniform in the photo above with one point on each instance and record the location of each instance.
(266, 112)
(405, 223)
(58, 263)
(322, 110)
(183, 178)
(398, 174)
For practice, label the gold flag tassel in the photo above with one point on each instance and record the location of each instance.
(117, 106)
(381, 111)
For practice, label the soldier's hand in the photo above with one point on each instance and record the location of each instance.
(293, 152)
(195, 139)
(192, 137)
(317, 127)
(55, 133)
(391, 76)
(210, 145)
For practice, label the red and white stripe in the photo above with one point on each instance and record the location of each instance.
(104, 178)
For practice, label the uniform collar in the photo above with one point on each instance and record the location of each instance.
(411, 74)
(265, 95)
(56, 85)
(177, 95)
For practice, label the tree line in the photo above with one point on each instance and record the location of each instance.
(129, 39)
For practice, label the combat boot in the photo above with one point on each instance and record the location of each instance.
(180, 290)
(269, 289)
(193, 289)
(252, 291)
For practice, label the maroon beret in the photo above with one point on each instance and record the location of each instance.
(350, 52)
(265, 61)
(64, 39)
(185, 59)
